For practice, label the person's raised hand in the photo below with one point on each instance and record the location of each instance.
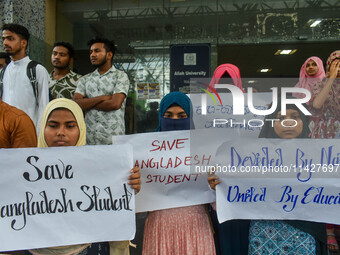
(213, 180)
(134, 179)
(334, 68)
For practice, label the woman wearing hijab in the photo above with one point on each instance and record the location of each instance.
(183, 230)
(63, 125)
(227, 71)
(311, 72)
(325, 119)
(280, 236)
(268, 131)
(325, 102)
(311, 236)
(231, 236)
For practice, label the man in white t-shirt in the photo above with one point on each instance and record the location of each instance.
(17, 89)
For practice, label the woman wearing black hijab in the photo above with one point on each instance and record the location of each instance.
(280, 236)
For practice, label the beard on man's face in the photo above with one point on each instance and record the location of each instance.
(103, 62)
(58, 66)
(11, 52)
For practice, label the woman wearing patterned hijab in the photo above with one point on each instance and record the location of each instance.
(325, 102)
(325, 120)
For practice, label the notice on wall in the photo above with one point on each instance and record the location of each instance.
(148, 90)
(142, 91)
(186, 62)
(154, 91)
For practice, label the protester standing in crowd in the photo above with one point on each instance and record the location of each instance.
(231, 237)
(289, 236)
(311, 72)
(101, 94)
(4, 60)
(284, 236)
(184, 230)
(63, 81)
(325, 102)
(16, 131)
(325, 119)
(16, 128)
(17, 89)
(63, 125)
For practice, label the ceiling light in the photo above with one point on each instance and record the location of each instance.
(252, 81)
(264, 70)
(285, 52)
(315, 23)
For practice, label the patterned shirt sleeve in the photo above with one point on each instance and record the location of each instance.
(123, 83)
(81, 89)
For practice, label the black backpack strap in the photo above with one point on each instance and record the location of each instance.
(32, 76)
(2, 73)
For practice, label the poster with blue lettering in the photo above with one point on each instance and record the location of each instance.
(65, 195)
(296, 179)
(186, 62)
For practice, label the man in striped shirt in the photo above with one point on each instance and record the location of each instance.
(63, 81)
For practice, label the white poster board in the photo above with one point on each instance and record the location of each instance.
(167, 162)
(65, 195)
(279, 179)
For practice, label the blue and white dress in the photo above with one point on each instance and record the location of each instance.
(276, 237)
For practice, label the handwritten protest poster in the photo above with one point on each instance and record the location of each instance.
(167, 162)
(62, 196)
(247, 124)
(279, 179)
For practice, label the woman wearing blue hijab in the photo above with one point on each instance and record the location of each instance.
(175, 112)
(183, 230)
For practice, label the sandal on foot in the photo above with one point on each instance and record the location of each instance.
(332, 244)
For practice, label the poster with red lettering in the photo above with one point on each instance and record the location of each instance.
(173, 167)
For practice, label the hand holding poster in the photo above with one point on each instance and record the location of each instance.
(62, 195)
